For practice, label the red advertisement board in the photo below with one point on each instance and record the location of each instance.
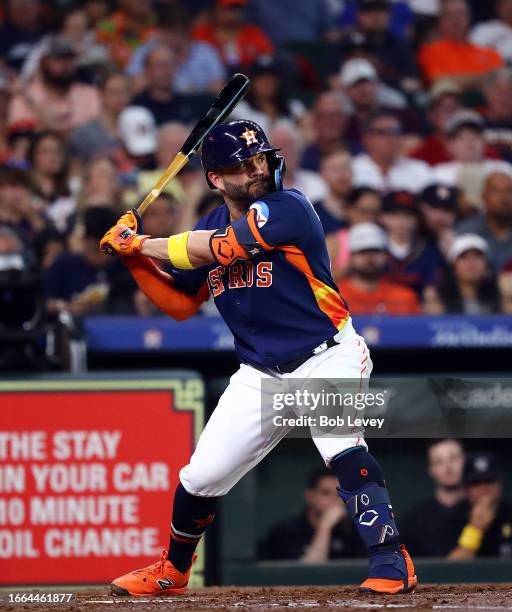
(87, 474)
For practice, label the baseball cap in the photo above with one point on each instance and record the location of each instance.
(57, 46)
(440, 196)
(399, 201)
(365, 237)
(461, 119)
(481, 467)
(138, 130)
(464, 243)
(264, 64)
(369, 5)
(355, 70)
(443, 87)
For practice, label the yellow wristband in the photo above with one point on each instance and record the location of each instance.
(471, 538)
(177, 250)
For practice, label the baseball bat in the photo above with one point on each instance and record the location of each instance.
(226, 100)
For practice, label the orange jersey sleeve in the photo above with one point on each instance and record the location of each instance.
(159, 288)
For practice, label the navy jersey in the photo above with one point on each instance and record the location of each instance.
(275, 292)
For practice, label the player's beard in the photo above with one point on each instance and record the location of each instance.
(245, 195)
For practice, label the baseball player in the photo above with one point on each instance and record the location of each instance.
(263, 259)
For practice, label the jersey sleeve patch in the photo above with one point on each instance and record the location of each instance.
(262, 212)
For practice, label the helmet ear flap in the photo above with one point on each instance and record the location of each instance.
(278, 168)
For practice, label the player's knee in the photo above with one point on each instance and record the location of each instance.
(206, 481)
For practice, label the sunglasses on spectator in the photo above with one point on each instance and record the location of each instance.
(395, 131)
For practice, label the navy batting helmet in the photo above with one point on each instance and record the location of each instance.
(231, 143)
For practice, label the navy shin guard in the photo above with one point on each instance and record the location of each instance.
(364, 491)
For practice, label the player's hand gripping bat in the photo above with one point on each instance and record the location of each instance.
(229, 96)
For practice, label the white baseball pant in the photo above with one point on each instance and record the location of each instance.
(233, 442)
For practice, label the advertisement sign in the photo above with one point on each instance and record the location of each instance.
(88, 469)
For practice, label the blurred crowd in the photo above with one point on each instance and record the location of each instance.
(467, 516)
(395, 119)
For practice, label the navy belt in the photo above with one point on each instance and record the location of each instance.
(290, 366)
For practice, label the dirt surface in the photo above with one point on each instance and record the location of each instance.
(426, 597)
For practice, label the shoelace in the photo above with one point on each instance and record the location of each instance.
(156, 568)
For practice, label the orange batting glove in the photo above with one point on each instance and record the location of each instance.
(122, 240)
(131, 219)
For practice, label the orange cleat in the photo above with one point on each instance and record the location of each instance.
(401, 564)
(161, 578)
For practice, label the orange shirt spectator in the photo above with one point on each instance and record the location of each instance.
(452, 54)
(122, 35)
(239, 44)
(366, 289)
(386, 298)
(446, 58)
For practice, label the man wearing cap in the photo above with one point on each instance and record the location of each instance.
(413, 261)
(488, 532)
(494, 223)
(54, 100)
(464, 132)
(443, 102)
(393, 55)
(438, 205)
(367, 95)
(366, 289)
(382, 166)
(239, 43)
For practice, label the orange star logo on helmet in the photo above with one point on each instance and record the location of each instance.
(250, 137)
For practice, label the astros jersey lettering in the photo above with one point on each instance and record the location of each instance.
(281, 302)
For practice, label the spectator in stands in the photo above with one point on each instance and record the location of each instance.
(382, 166)
(494, 224)
(452, 55)
(21, 32)
(498, 114)
(336, 171)
(49, 173)
(321, 532)
(159, 96)
(238, 42)
(198, 65)
(313, 23)
(497, 33)
(54, 99)
(488, 532)
(366, 288)
(363, 205)
(287, 137)
(18, 209)
(469, 285)
(162, 218)
(446, 510)
(367, 96)
(443, 103)
(469, 166)
(131, 25)
(4, 105)
(89, 281)
(413, 261)
(438, 205)
(101, 136)
(392, 55)
(401, 17)
(266, 102)
(188, 187)
(505, 287)
(81, 37)
(328, 124)
(138, 130)
(100, 185)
